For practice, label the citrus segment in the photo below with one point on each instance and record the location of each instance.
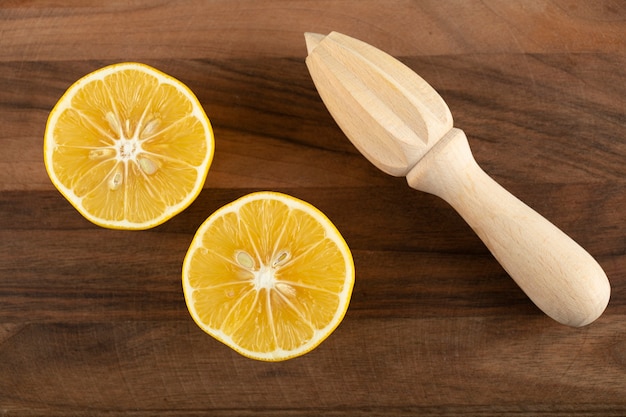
(268, 275)
(128, 146)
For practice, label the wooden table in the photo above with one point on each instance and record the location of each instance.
(93, 322)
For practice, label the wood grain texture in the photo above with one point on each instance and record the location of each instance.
(93, 321)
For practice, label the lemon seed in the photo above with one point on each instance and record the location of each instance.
(116, 180)
(114, 122)
(150, 128)
(147, 165)
(244, 259)
(101, 153)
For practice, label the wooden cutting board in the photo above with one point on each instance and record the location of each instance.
(93, 321)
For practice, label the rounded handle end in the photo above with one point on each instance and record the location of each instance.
(588, 304)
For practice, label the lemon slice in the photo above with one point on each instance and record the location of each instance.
(128, 146)
(268, 275)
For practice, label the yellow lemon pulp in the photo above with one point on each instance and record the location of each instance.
(128, 146)
(268, 275)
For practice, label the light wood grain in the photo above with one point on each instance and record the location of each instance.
(92, 321)
(404, 128)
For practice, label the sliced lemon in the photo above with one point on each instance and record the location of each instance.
(268, 275)
(128, 146)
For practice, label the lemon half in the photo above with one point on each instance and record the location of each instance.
(128, 146)
(268, 275)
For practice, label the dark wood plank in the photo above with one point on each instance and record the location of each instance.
(47, 30)
(440, 366)
(418, 259)
(555, 123)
